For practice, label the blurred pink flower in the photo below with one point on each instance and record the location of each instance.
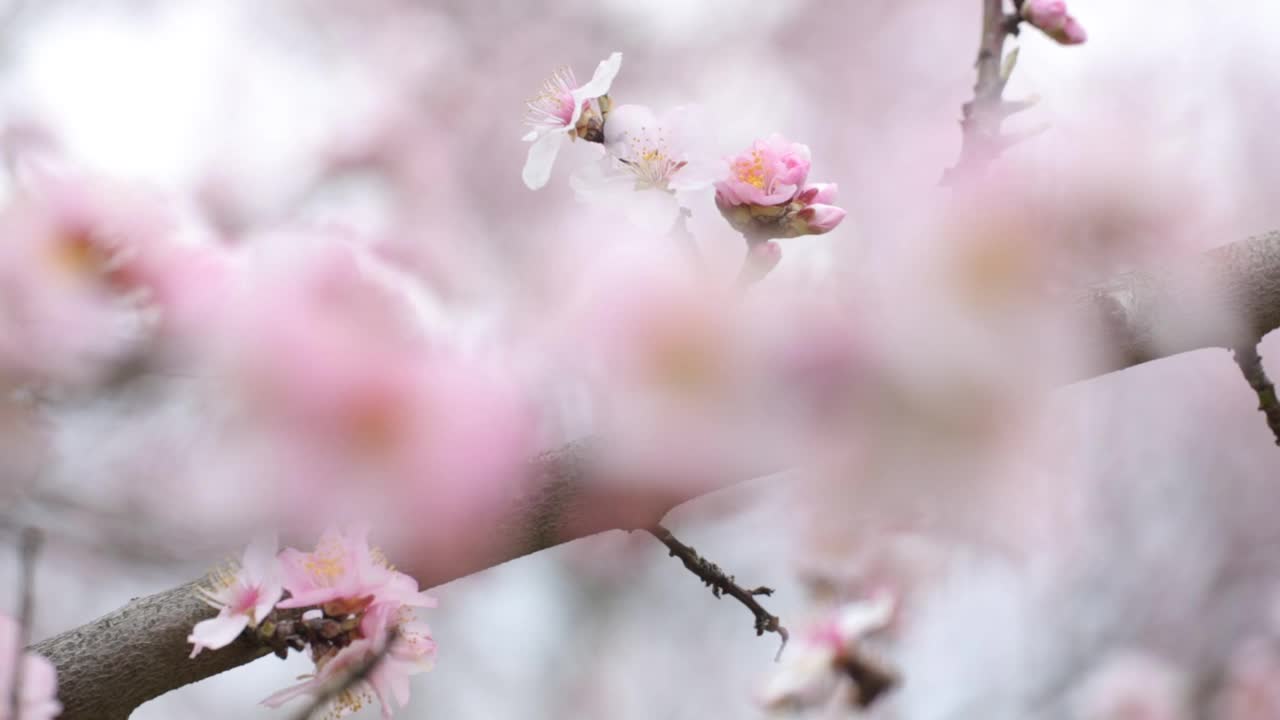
(649, 159)
(769, 173)
(1251, 688)
(812, 669)
(66, 312)
(1133, 685)
(243, 598)
(38, 699)
(1051, 17)
(557, 113)
(411, 653)
(343, 574)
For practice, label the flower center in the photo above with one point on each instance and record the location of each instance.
(553, 105)
(751, 172)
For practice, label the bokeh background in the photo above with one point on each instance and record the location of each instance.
(1151, 527)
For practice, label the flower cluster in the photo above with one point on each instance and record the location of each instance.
(342, 601)
(38, 698)
(767, 194)
(1051, 17)
(763, 193)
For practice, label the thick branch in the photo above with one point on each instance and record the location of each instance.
(115, 663)
(1228, 297)
(119, 661)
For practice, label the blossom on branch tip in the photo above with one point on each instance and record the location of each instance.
(769, 173)
(38, 698)
(765, 194)
(244, 597)
(564, 110)
(1051, 17)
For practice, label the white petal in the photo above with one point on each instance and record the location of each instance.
(217, 632)
(259, 562)
(542, 155)
(599, 84)
(627, 120)
(856, 619)
(530, 136)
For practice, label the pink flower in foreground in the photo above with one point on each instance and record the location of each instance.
(806, 212)
(344, 574)
(769, 173)
(564, 110)
(38, 699)
(1051, 17)
(243, 598)
(811, 671)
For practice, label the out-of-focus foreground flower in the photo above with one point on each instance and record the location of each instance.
(38, 697)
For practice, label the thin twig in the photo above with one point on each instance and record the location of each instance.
(28, 548)
(721, 583)
(357, 675)
(1250, 363)
(982, 140)
(871, 676)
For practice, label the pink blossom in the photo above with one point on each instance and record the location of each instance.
(243, 598)
(345, 575)
(811, 670)
(38, 699)
(808, 212)
(412, 652)
(818, 219)
(769, 173)
(1051, 17)
(817, 194)
(557, 113)
(332, 669)
(65, 315)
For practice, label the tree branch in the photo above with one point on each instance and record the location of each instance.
(981, 138)
(111, 665)
(1251, 367)
(722, 583)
